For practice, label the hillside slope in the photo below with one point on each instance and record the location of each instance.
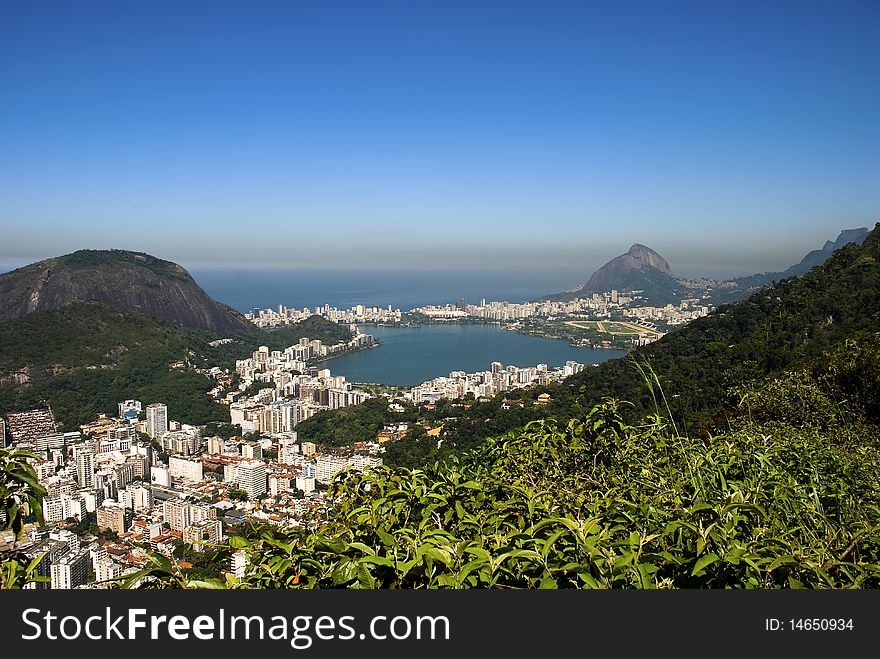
(83, 358)
(129, 280)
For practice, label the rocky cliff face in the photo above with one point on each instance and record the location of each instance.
(129, 280)
(638, 257)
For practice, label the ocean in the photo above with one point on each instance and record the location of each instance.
(245, 289)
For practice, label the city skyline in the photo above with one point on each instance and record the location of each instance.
(730, 140)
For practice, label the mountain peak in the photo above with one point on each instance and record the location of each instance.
(129, 280)
(639, 257)
(638, 247)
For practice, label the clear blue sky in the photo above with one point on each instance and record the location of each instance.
(731, 137)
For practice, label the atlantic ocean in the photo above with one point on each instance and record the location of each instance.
(246, 289)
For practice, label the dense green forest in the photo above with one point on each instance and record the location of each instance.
(83, 358)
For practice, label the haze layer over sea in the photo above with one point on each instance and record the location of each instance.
(245, 289)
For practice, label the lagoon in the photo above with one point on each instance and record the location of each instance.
(412, 355)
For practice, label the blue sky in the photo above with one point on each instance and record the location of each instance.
(731, 137)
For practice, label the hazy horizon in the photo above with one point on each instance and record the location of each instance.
(561, 266)
(530, 137)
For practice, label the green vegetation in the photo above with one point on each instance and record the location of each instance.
(358, 423)
(785, 497)
(21, 497)
(111, 259)
(748, 457)
(83, 358)
(222, 430)
(599, 501)
(313, 327)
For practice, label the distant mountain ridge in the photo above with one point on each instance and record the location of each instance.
(818, 256)
(751, 283)
(643, 269)
(133, 281)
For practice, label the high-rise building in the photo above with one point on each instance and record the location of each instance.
(113, 516)
(177, 514)
(252, 478)
(251, 451)
(85, 465)
(238, 563)
(288, 449)
(106, 569)
(71, 570)
(204, 533)
(28, 425)
(157, 419)
(141, 497)
(271, 420)
(185, 468)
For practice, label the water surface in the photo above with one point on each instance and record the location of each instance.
(411, 355)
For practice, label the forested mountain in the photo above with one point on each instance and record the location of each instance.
(83, 358)
(744, 286)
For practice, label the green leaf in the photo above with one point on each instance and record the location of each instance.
(705, 562)
(548, 583)
(345, 572)
(377, 560)
(369, 551)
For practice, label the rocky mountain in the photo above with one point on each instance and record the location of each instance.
(638, 257)
(129, 280)
(640, 268)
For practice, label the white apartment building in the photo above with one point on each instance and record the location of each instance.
(185, 468)
(203, 534)
(71, 570)
(85, 465)
(238, 563)
(157, 419)
(252, 478)
(107, 569)
(176, 513)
